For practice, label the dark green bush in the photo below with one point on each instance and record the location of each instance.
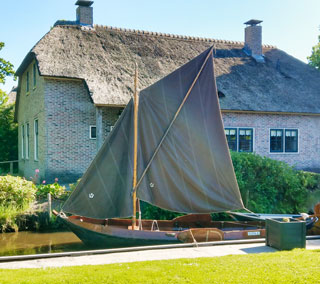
(149, 211)
(270, 186)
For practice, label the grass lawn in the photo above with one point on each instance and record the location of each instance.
(297, 266)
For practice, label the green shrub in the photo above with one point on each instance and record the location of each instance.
(16, 191)
(270, 186)
(16, 196)
(55, 189)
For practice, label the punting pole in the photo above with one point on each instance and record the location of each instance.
(135, 146)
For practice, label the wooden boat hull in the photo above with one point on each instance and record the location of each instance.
(110, 240)
(186, 229)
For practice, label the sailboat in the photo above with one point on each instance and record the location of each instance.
(168, 149)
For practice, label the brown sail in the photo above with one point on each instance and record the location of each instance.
(183, 158)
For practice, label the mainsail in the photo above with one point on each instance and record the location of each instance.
(184, 163)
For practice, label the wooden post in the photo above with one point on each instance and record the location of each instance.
(11, 168)
(135, 147)
(99, 127)
(49, 206)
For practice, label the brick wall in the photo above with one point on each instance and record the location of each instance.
(110, 116)
(308, 156)
(65, 114)
(31, 107)
(70, 112)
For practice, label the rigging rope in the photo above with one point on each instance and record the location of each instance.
(194, 240)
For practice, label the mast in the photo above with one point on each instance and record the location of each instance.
(135, 146)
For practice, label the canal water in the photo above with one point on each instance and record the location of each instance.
(22, 243)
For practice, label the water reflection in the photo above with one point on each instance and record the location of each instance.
(35, 243)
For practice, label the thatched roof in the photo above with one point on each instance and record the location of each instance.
(104, 57)
(12, 96)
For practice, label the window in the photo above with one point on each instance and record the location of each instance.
(27, 141)
(245, 140)
(22, 141)
(240, 139)
(28, 86)
(93, 132)
(283, 140)
(231, 134)
(36, 140)
(34, 74)
(291, 140)
(276, 140)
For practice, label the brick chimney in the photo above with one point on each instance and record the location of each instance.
(253, 39)
(85, 13)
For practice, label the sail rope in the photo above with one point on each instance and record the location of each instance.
(194, 240)
(173, 120)
(246, 209)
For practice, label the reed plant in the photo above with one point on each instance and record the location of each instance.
(9, 215)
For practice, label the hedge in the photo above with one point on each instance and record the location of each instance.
(271, 186)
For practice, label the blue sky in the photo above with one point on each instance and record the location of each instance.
(291, 25)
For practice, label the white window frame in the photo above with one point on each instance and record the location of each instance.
(27, 130)
(243, 127)
(284, 141)
(92, 138)
(22, 141)
(36, 139)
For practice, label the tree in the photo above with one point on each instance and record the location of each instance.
(6, 69)
(314, 59)
(8, 135)
(8, 128)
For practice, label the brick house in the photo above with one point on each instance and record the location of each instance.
(76, 80)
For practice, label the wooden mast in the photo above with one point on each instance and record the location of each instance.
(135, 146)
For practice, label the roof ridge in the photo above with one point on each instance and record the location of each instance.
(194, 38)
